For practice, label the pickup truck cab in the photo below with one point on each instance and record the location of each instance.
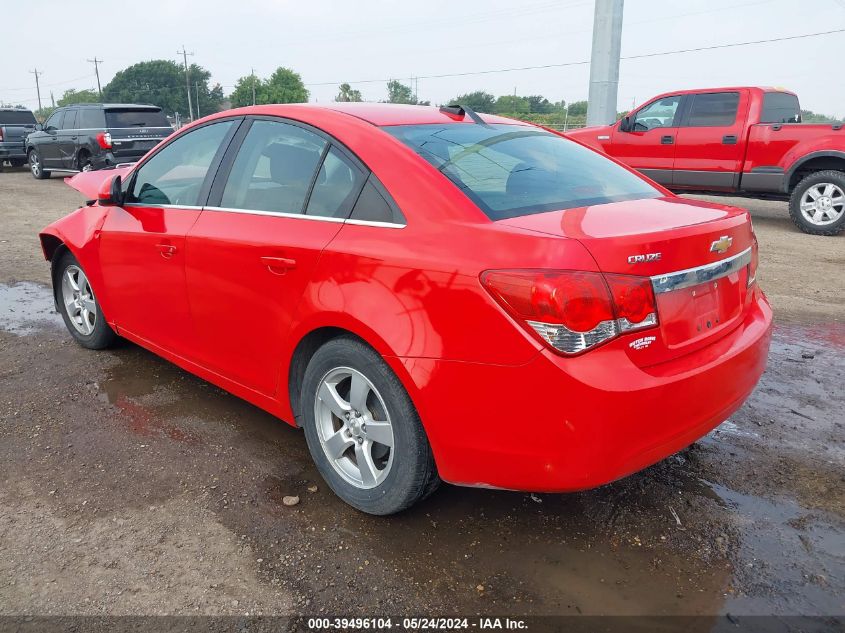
(15, 125)
(743, 141)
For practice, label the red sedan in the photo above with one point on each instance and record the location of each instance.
(430, 294)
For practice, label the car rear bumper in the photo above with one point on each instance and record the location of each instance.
(562, 424)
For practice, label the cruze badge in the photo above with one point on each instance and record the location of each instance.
(647, 257)
(721, 245)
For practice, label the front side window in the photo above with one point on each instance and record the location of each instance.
(514, 170)
(661, 113)
(715, 109)
(55, 121)
(175, 174)
(780, 107)
(274, 168)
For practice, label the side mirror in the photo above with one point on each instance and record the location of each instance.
(110, 193)
(39, 127)
(626, 125)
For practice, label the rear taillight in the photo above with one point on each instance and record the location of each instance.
(573, 311)
(1, 133)
(104, 140)
(751, 278)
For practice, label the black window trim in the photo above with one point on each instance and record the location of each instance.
(202, 198)
(224, 169)
(691, 97)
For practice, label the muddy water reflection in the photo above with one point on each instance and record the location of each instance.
(26, 308)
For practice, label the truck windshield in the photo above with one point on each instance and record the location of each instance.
(124, 118)
(780, 107)
(16, 117)
(514, 170)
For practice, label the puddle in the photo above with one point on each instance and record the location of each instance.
(27, 308)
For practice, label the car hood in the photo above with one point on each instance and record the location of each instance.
(88, 183)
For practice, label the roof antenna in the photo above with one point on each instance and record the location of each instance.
(461, 110)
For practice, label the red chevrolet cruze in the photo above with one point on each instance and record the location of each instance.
(430, 294)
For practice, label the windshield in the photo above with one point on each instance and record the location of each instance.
(135, 118)
(514, 170)
(16, 117)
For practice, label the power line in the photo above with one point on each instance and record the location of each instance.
(586, 62)
(96, 63)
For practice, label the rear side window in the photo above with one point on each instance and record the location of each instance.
(16, 117)
(715, 109)
(372, 206)
(780, 107)
(274, 168)
(175, 174)
(514, 170)
(336, 188)
(128, 118)
(90, 119)
(69, 122)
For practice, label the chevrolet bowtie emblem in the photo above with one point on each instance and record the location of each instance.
(721, 245)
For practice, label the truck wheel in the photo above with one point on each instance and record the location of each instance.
(817, 204)
(36, 167)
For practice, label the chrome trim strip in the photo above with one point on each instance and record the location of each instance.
(278, 214)
(302, 216)
(161, 206)
(700, 274)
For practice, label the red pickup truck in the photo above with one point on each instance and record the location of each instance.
(745, 141)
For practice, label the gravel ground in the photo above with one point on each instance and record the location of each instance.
(128, 486)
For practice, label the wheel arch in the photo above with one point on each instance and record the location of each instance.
(814, 161)
(309, 340)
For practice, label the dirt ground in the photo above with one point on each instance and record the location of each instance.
(128, 486)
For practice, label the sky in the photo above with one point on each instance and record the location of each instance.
(367, 42)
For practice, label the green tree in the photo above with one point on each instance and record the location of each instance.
(347, 93)
(162, 83)
(283, 86)
(242, 94)
(73, 95)
(397, 92)
(538, 104)
(578, 108)
(510, 104)
(479, 101)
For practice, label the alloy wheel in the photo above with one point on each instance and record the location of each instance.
(79, 300)
(823, 204)
(34, 165)
(354, 427)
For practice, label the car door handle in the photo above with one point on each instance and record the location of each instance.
(667, 139)
(278, 265)
(73, 138)
(729, 139)
(167, 250)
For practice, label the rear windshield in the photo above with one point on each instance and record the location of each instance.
(780, 107)
(16, 117)
(135, 118)
(513, 170)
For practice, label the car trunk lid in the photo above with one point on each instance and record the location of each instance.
(695, 253)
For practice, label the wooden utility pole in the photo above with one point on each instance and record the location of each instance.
(184, 55)
(37, 86)
(97, 63)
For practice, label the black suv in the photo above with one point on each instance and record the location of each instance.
(93, 136)
(15, 124)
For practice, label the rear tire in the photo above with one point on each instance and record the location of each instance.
(78, 306)
(36, 167)
(378, 427)
(817, 204)
(83, 161)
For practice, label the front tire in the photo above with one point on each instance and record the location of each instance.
(36, 167)
(78, 306)
(363, 431)
(83, 161)
(817, 204)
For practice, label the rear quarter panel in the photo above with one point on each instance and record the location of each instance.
(782, 145)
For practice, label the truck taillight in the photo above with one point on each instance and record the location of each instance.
(573, 311)
(104, 140)
(1, 133)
